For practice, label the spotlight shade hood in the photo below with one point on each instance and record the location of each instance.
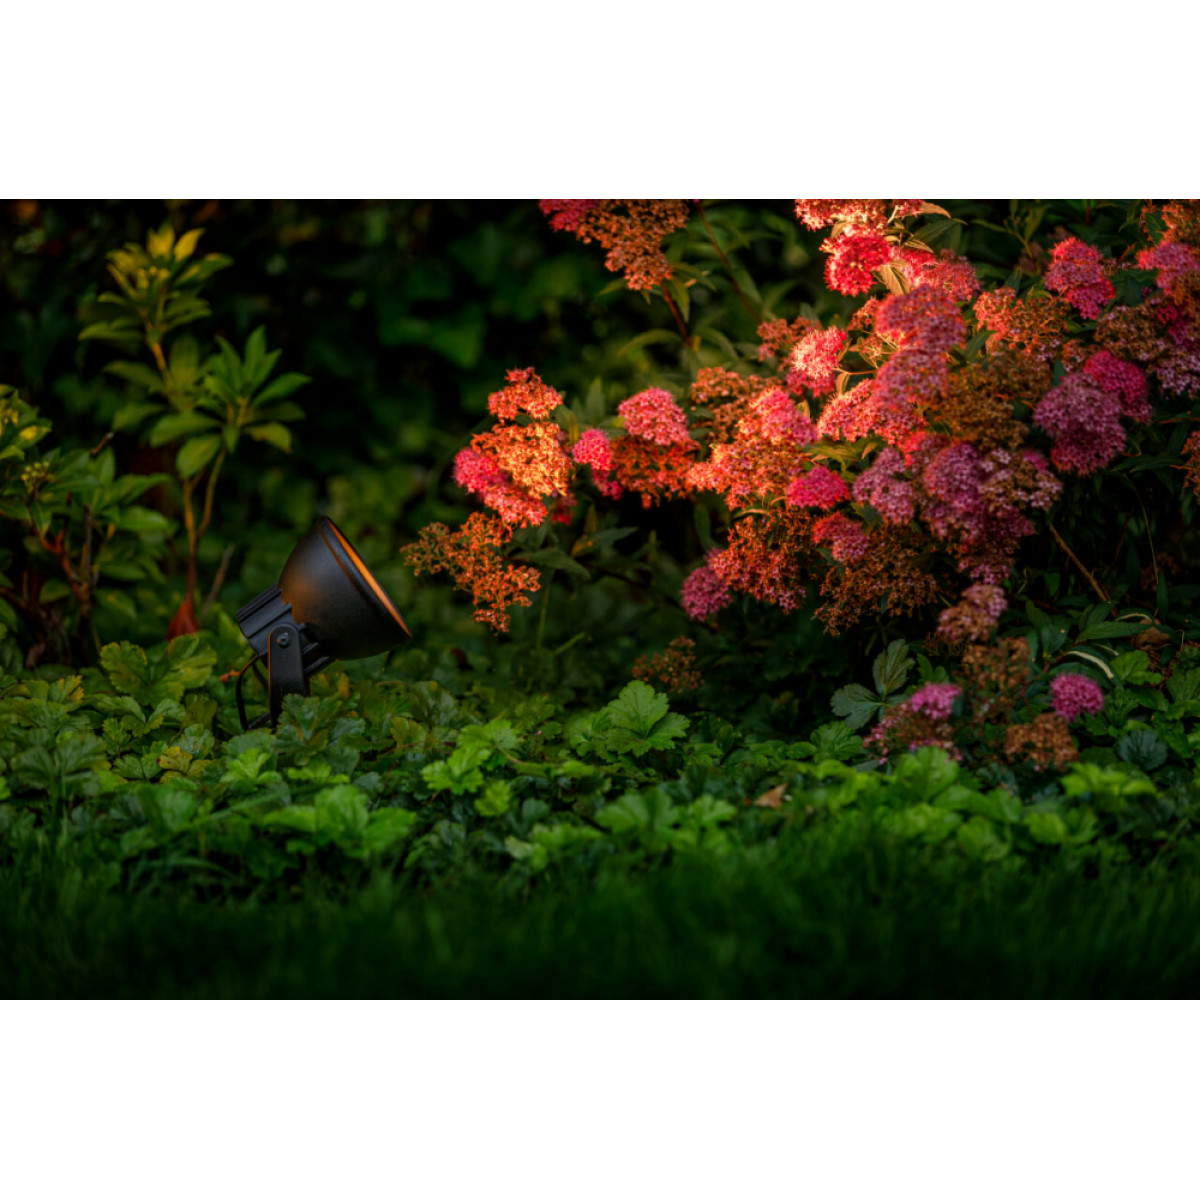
(332, 592)
(326, 605)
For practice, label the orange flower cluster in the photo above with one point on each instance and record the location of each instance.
(890, 576)
(1037, 325)
(630, 230)
(471, 555)
(673, 669)
(1045, 742)
(654, 471)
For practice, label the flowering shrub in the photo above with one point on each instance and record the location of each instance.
(894, 462)
(870, 467)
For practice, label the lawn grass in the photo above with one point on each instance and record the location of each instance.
(843, 915)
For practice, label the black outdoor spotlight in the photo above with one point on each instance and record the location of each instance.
(326, 605)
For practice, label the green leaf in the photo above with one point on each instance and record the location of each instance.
(273, 432)
(891, 667)
(1143, 748)
(554, 558)
(387, 828)
(836, 740)
(638, 721)
(138, 374)
(496, 799)
(283, 386)
(196, 454)
(1111, 629)
(856, 704)
(177, 425)
(142, 520)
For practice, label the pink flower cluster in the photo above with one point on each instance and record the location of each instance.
(595, 450)
(704, 594)
(481, 475)
(654, 415)
(565, 215)
(1074, 695)
(1077, 274)
(814, 361)
(1172, 261)
(777, 418)
(883, 486)
(935, 700)
(847, 539)
(1124, 380)
(819, 488)
(949, 272)
(1084, 419)
(926, 318)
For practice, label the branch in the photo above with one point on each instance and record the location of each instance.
(1075, 559)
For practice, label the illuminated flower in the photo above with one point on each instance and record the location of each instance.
(595, 450)
(1172, 261)
(1077, 274)
(814, 361)
(819, 488)
(1074, 695)
(924, 319)
(654, 415)
(819, 214)
(775, 417)
(1034, 324)
(472, 557)
(655, 472)
(631, 231)
(848, 417)
(853, 259)
(949, 272)
(565, 215)
(480, 474)
(525, 393)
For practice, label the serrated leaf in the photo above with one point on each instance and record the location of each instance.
(855, 704)
(891, 668)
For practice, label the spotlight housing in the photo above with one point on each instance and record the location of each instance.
(327, 605)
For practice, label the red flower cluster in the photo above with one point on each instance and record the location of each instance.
(819, 488)
(654, 415)
(595, 450)
(1077, 274)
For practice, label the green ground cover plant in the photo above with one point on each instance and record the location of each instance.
(710, 753)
